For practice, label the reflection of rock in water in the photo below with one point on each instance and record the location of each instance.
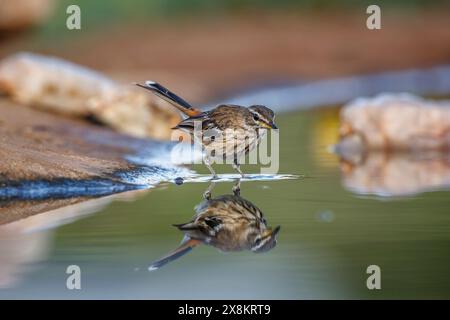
(396, 174)
(227, 222)
(17, 251)
(395, 145)
(27, 241)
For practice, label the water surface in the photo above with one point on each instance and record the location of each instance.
(332, 228)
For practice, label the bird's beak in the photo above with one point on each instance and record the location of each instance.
(270, 125)
(275, 231)
(272, 233)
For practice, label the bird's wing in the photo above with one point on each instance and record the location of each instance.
(191, 122)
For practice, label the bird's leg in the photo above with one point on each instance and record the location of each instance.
(237, 188)
(207, 193)
(237, 167)
(208, 165)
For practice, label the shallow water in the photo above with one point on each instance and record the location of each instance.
(334, 224)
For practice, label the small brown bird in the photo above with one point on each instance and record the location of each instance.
(227, 222)
(226, 132)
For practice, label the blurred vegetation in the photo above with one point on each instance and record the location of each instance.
(104, 14)
(117, 11)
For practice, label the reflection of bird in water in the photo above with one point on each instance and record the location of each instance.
(227, 222)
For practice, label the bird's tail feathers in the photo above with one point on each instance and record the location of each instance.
(170, 97)
(186, 245)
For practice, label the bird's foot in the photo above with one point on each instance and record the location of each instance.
(237, 188)
(207, 195)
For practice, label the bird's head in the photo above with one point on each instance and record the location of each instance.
(262, 117)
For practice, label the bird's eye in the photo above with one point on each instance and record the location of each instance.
(255, 117)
